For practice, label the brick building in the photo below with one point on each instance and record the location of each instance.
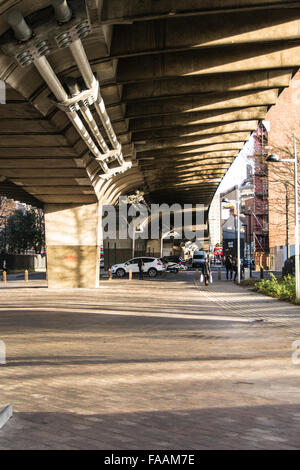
(229, 226)
(269, 213)
(254, 204)
(257, 208)
(284, 118)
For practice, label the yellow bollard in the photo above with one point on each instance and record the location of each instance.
(109, 274)
(219, 274)
(130, 274)
(26, 275)
(197, 275)
(4, 277)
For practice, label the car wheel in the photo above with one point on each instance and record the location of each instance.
(175, 271)
(152, 272)
(120, 272)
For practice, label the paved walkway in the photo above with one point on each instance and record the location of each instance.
(154, 364)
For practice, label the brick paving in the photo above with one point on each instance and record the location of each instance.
(154, 364)
(247, 303)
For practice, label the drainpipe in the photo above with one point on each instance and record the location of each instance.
(88, 97)
(83, 64)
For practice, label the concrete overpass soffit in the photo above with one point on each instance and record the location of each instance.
(143, 78)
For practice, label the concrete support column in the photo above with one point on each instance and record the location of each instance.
(73, 245)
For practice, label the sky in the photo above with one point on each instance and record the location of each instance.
(238, 170)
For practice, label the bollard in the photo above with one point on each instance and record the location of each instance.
(130, 274)
(261, 272)
(109, 274)
(4, 274)
(26, 275)
(197, 275)
(219, 274)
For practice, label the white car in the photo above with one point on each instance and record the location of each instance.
(198, 259)
(152, 266)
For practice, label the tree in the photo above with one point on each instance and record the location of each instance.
(7, 206)
(25, 231)
(279, 179)
(281, 182)
(40, 231)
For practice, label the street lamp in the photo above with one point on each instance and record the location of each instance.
(166, 235)
(238, 189)
(238, 234)
(249, 214)
(137, 198)
(276, 159)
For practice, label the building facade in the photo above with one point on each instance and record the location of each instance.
(258, 210)
(230, 224)
(284, 118)
(214, 221)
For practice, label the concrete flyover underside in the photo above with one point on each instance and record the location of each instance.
(184, 85)
(176, 77)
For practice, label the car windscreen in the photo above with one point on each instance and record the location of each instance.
(198, 256)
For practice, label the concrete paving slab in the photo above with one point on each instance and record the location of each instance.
(161, 364)
(5, 414)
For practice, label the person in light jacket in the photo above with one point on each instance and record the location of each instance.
(206, 271)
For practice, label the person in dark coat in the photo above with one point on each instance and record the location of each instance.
(206, 271)
(141, 268)
(228, 266)
(234, 268)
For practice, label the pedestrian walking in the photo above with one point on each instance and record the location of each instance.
(141, 268)
(228, 266)
(206, 271)
(235, 269)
